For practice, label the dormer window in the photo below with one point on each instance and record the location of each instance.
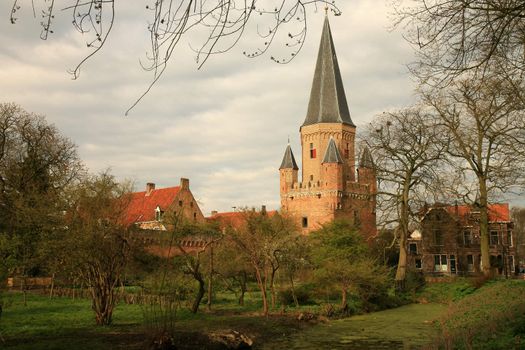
(313, 152)
(158, 213)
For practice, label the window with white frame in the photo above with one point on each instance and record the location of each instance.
(440, 263)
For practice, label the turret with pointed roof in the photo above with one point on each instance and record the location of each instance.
(366, 161)
(288, 160)
(332, 154)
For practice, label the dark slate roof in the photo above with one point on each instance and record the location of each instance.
(288, 160)
(327, 98)
(332, 154)
(366, 160)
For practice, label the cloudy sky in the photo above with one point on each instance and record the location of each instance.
(225, 127)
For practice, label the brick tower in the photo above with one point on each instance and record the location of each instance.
(329, 188)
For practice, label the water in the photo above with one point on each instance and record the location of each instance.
(407, 327)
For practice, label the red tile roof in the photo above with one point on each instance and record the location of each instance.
(142, 208)
(497, 212)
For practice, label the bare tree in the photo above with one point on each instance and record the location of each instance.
(452, 37)
(223, 23)
(261, 239)
(486, 123)
(407, 151)
(518, 218)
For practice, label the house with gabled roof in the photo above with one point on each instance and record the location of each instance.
(448, 241)
(148, 208)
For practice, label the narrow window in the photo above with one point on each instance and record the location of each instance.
(305, 222)
(438, 236)
(467, 238)
(311, 178)
(191, 204)
(313, 152)
(470, 263)
(194, 216)
(510, 242)
(180, 203)
(453, 264)
(494, 239)
(512, 267)
(347, 151)
(412, 248)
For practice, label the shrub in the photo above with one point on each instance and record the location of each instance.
(303, 293)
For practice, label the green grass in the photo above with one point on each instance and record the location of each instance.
(53, 323)
(493, 317)
(446, 292)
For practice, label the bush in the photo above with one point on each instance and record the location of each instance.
(303, 293)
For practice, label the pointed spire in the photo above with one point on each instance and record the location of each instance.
(366, 160)
(327, 97)
(288, 160)
(332, 154)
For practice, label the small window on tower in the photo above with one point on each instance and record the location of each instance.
(313, 152)
(347, 151)
(305, 222)
(180, 203)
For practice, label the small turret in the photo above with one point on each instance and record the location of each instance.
(288, 170)
(332, 167)
(366, 172)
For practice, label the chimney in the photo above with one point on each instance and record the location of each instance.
(263, 210)
(214, 212)
(184, 183)
(150, 186)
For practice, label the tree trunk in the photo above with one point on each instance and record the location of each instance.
(401, 271)
(484, 227)
(210, 279)
(52, 287)
(272, 287)
(261, 282)
(242, 283)
(292, 287)
(200, 293)
(344, 301)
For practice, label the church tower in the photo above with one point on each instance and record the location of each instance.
(328, 188)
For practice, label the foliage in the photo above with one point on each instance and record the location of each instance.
(261, 241)
(37, 166)
(341, 260)
(96, 227)
(491, 318)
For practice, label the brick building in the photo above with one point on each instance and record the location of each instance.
(329, 188)
(448, 241)
(147, 210)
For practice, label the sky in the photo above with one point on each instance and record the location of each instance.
(225, 126)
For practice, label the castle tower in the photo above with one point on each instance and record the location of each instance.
(328, 114)
(328, 188)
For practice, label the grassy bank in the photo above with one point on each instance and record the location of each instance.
(491, 317)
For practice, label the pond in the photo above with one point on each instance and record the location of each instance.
(406, 327)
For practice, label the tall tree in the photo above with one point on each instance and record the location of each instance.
(37, 165)
(485, 119)
(407, 150)
(342, 262)
(96, 227)
(261, 239)
(453, 37)
(518, 218)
